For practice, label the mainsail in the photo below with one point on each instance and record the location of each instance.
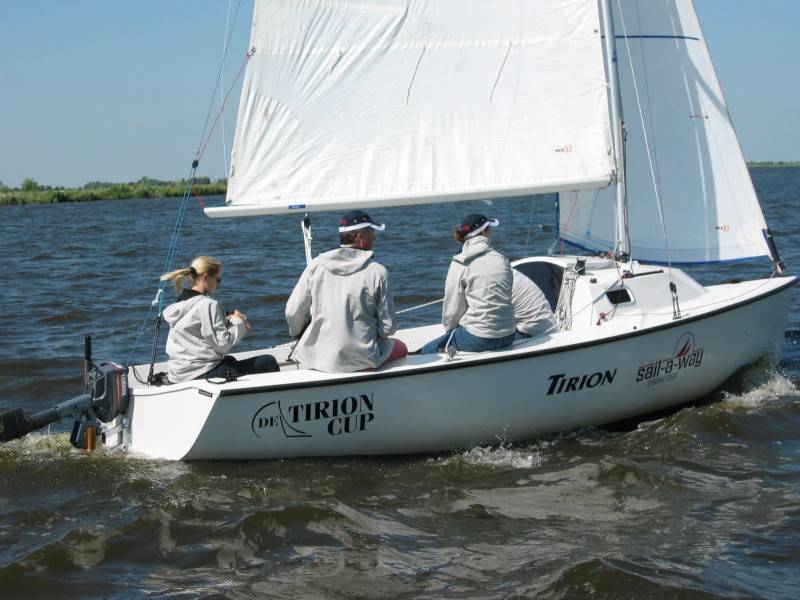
(711, 212)
(387, 102)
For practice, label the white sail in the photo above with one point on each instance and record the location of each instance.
(385, 102)
(711, 211)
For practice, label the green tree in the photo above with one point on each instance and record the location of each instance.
(29, 185)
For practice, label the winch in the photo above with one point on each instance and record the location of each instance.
(106, 396)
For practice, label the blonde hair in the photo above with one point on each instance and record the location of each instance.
(200, 265)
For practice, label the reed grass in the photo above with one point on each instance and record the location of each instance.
(116, 191)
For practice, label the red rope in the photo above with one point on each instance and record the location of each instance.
(199, 199)
(222, 107)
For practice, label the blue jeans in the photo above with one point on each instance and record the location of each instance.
(464, 340)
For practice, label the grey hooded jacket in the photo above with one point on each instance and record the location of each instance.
(531, 309)
(477, 292)
(199, 335)
(346, 298)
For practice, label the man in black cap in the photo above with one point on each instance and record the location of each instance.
(343, 307)
(478, 313)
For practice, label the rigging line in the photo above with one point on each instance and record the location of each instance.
(647, 144)
(202, 150)
(418, 306)
(219, 73)
(222, 86)
(711, 304)
(178, 222)
(159, 299)
(666, 313)
(569, 219)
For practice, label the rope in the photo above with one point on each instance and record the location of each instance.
(222, 84)
(647, 145)
(567, 222)
(189, 190)
(219, 74)
(159, 298)
(661, 314)
(202, 149)
(405, 310)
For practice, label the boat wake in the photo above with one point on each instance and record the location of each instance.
(777, 388)
(39, 446)
(503, 457)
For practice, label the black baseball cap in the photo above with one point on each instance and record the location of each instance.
(474, 223)
(358, 219)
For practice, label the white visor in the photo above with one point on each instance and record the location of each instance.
(375, 226)
(472, 234)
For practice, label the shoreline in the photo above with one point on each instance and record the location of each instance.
(138, 190)
(117, 191)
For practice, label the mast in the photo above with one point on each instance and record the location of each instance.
(622, 241)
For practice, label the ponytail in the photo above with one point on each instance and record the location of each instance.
(200, 265)
(178, 275)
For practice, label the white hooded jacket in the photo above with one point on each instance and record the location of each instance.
(199, 335)
(477, 292)
(346, 298)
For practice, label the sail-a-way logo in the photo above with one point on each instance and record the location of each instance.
(339, 415)
(686, 355)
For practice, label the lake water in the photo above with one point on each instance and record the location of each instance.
(704, 503)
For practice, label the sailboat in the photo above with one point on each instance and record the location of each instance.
(614, 105)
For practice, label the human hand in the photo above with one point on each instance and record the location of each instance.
(243, 317)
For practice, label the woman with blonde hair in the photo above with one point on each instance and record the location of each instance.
(201, 333)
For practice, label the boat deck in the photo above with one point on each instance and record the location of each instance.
(595, 320)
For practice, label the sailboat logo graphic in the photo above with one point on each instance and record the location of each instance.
(684, 355)
(271, 415)
(684, 346)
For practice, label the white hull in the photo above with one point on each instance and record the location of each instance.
(638, 360)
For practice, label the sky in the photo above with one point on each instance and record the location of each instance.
(114, 90)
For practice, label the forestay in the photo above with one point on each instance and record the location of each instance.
(388, 102)
(710, 208)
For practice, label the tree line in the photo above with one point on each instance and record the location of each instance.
(31, 192)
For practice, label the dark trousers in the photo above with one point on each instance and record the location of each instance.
(230, 368)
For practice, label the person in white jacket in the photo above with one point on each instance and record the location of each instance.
(478, 313)
(342, 307)
(201, 333)
(532, 311)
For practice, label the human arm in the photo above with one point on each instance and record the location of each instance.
(455, 300)
(220, 332)
(384, 301)
(298, 307)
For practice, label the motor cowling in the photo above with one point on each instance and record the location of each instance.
(108, 388)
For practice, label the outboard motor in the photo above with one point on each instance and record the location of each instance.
(105, 397)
